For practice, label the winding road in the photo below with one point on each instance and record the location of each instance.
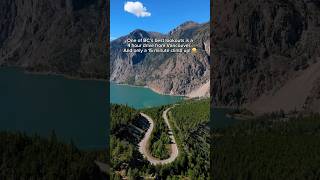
(143, 145)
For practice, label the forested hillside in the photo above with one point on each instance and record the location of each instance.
(193, 142)
(125, 157)
(33, 157)
(190, 120)
(270, 147)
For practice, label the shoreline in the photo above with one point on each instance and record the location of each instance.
(70, 77)
(50, 73)
(185, 97)
(63, 75)
(152, 89)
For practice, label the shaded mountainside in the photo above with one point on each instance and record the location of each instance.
(55, 36)
(266, 55)
(168, 73)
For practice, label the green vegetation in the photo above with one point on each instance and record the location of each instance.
(190, 124)
(122, 152)
(25, 157)
(191, 114)
(131, 80)
(159, 140)
(121, 115)
(190, 121)
(273, 146)
(125, 157)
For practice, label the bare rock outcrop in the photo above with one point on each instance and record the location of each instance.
(55, 36)
(258, 46)
(167, 73)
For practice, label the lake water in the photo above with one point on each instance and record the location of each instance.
(220, 118)
(74, 109)
(139, 97)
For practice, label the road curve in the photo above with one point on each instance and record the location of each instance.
(143, 145)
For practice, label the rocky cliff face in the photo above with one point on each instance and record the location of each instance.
(168, 73)
(55, 36)
(264, 52)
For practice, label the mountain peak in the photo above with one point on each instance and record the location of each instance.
(188, 23)
(163, 72)
(139, 33)
(184, 26)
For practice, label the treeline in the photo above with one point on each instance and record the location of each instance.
(33, 157)
(159, 140)
(272, 146)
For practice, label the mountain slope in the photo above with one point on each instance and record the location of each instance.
(295, 94)
(55, 36)
(167, 73)
(260, 47)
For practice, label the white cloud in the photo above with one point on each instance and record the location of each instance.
(136, 8)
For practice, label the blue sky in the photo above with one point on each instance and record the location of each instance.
(159, 15)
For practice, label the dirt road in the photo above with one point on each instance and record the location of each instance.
(143, 145)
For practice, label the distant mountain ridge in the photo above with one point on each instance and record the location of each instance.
(166, 73)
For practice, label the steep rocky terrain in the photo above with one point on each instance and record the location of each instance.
(265, 54)
(55, 36)
(167, 73)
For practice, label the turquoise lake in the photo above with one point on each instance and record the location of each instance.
(74, 109)
(39, 104)
(139, 97)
